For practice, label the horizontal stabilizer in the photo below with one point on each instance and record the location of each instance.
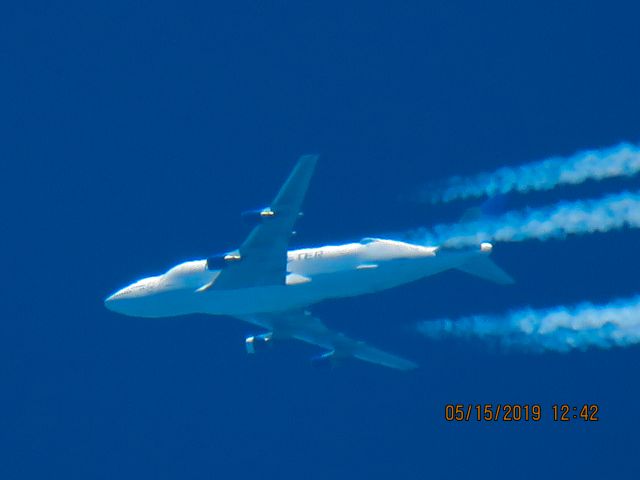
(485, 268)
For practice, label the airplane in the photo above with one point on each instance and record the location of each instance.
(265, 284)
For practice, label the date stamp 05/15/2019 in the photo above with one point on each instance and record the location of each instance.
(520, 412)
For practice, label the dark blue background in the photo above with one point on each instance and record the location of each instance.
(133, 134)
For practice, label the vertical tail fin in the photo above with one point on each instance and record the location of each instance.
(482, 266)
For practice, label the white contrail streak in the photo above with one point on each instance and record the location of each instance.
(612, 212)
(619, 161)
(560, 329)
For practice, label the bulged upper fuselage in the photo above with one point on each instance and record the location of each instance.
(313, 275)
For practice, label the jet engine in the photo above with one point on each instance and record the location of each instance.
(326, 360)
(221, 260)
(254, 216)
(258, 342)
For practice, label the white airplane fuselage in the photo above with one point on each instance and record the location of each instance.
(313, 275)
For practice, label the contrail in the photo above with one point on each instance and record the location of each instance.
(619, 161)
(559, 329)
(608, 213)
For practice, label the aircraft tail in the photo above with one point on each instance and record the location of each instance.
(483, 267)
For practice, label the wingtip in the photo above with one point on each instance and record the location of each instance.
(309, 158)
(409, 365)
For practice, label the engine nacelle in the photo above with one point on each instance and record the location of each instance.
(258, 342)
(255, 216)
(326, 360)
(221, 260)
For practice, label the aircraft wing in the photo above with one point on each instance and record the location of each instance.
(303, 326)
(263, 255)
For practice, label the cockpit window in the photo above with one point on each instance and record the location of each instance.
(367, 240)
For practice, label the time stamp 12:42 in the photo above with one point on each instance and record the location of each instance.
(520, 412)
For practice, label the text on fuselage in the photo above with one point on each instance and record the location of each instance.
(306, 255)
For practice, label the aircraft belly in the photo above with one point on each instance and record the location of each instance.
(345, 283)
(247, 301)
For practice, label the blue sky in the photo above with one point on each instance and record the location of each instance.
(134, 134)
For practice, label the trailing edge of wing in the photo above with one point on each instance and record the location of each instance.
(310, 329)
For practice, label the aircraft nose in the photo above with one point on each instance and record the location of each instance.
(113, 301)
(109, 301)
